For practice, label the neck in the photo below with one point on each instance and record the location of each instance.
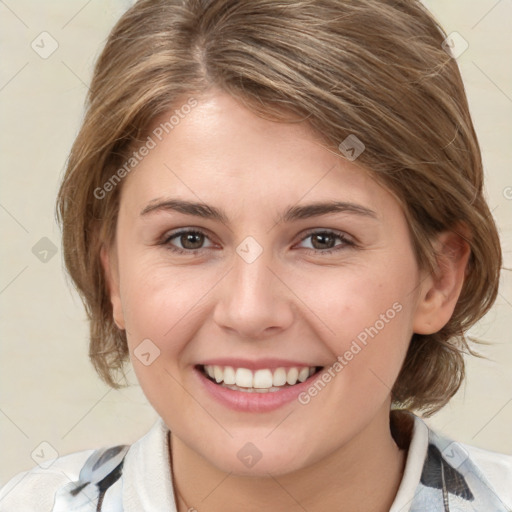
(363, 475)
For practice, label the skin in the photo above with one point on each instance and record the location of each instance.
(291, 303)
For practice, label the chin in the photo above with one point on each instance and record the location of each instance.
(258, 458)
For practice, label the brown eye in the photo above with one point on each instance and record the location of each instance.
(192, 240)
(186, 241)
(325, 242)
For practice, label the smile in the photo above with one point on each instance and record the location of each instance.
(262, 380)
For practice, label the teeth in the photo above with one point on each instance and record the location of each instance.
(229, 375)
(292, 376)
(262, 380)
(279, 378)
(243, 378)
(303, 374)
(218, 373)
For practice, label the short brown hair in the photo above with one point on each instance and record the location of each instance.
(375, 69)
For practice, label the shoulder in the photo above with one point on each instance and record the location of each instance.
(48, 486)
(472, 475)
(126, 477)
(496, 467)
(442, 474)
(37, 486)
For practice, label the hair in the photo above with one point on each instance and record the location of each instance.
(375, 69)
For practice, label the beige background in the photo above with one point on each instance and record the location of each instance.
(49, 392)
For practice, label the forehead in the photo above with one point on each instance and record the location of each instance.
(221, 152)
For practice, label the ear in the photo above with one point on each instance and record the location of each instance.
(440, 291)
(110, 268)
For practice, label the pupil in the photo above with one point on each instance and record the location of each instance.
(189, 240)
(323, 237)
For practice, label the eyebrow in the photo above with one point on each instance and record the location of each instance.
(291, 214)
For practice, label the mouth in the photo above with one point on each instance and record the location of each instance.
(264, 380)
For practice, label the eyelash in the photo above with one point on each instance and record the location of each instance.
(346, 242)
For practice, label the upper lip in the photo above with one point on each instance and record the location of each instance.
(258, 364)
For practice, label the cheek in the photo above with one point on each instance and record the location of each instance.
(157, 297)
(163, 307)
(370, 317)
(155, 307)
(159, 315)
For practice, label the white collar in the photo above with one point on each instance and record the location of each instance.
(148, 480)
(413, 467)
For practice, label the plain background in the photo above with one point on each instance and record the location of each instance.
(49, 391)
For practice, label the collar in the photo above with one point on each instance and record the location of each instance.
(439, 476)
(147, 474)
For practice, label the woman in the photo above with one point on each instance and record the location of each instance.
(275, 210)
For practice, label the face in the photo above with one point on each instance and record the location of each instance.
(260, 288)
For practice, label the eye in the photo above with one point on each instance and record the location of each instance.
(191, 241)
(323, 241)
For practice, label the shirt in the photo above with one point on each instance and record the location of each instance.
(440, 476)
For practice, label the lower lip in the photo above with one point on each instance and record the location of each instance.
(254, 402)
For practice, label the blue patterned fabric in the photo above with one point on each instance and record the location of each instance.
(440, 476)
(451, 482)
(98, 487)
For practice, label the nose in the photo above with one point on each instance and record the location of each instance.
(253, 299)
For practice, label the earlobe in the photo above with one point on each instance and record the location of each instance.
(440, 291)
(109, 264)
